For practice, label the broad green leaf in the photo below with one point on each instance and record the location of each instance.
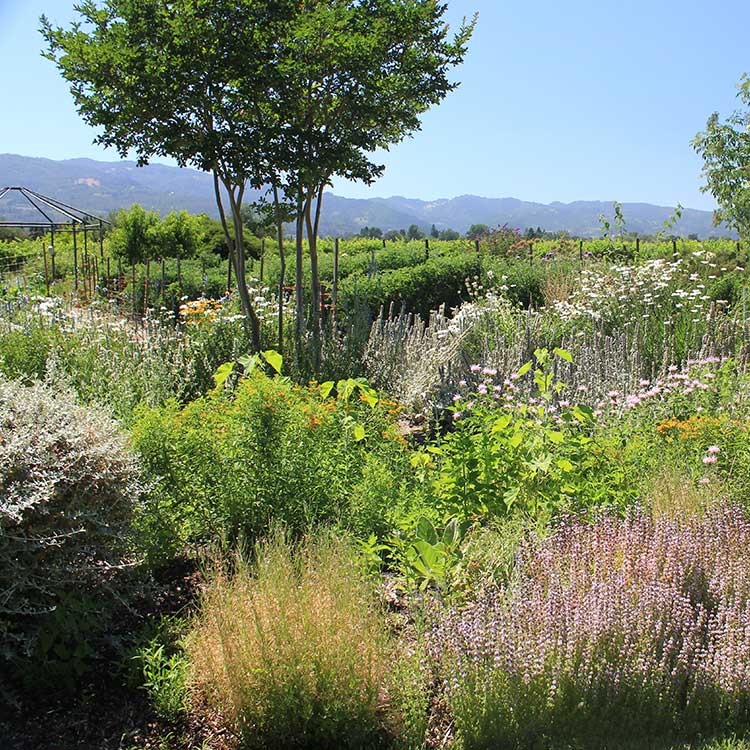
(501, 423)
(524, 369)
(555, 437)
(222, 373)
(564, 465)
(515, 440)
(274, 359)
(359, 433)
(248, 362)
(583, 413)
(370, 395)
(426, 531)
(510, 497)
(327, 388)
(564, 354)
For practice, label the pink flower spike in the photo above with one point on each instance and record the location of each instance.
(713, 449)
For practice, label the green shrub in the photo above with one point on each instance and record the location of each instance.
(420, 288)
(229, 463)
(530, 453)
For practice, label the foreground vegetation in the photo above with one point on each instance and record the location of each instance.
(518, 521)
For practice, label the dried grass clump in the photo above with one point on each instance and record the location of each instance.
(293, 651)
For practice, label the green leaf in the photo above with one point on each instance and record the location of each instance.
(344, 389)
(359, 433)
(524, 369)
(327, 388)
(583, 413)
(370, 396)
(565, 465)
(501, 423)
(564, 354)
(248, 362)
(222, 373)
(558, 438)
(510, 497)
(426, 531)
(515, 440)
(274, 359)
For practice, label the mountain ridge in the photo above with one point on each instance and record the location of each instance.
(101, 187)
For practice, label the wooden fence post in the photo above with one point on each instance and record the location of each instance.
(46, 276)
(335, 290)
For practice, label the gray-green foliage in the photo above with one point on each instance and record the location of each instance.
(67, 486)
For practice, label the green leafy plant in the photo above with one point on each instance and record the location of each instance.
(164, 679)
(427, 555)
(536, 457)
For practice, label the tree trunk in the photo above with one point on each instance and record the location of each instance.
(282, 264)
(237, 255)
(312, 239)
(299, 301)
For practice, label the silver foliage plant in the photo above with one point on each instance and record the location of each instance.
(424, 364)
(68, 482)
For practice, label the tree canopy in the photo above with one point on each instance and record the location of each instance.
(283, 94)
(725, 148)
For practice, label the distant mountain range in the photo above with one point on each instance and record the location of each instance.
(101, 187)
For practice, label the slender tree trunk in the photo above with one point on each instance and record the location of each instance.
(312, 243)
(299, 301)
(282, 263)
(237, 255)
(312, 239)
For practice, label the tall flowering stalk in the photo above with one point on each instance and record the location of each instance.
(634, 626)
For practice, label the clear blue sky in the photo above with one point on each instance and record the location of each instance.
(559, 101)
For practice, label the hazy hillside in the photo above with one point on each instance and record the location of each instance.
(101, 187)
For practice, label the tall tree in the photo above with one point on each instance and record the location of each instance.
(182, 78)
(354, 76)
(725, 148)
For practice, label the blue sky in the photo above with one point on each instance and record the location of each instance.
(559, 101)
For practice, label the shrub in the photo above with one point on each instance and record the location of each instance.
(634, 628)
(68, 484)
(228, 464)
(419, 289)
(107, 360)
(531, 452)
(292, 651)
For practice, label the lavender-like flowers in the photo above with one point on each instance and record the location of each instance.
(634, 626)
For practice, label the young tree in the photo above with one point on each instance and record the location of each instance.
(475, 231)
(725, 148)
(354, 77)
(135, 236)
(449, 234)
(187, 79)
(177, 235)
(414, 233)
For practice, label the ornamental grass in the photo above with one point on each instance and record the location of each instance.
(293, 651)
